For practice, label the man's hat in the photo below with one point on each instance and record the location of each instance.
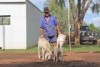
(46, 9)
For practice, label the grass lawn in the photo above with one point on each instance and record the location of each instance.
(80, 48)
(29, 50)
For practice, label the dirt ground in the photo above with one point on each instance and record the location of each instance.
(71, 59)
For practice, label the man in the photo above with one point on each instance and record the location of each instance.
(49, 27)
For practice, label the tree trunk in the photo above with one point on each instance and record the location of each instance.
(77, 30)
(78, 16)
(79, 19)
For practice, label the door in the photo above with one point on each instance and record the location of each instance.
(4, 20)
(1, 33)
(1, 37)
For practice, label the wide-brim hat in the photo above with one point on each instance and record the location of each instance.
(46, 9)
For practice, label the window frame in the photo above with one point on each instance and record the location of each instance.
(3, 16)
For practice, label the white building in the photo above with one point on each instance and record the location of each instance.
(19, 24)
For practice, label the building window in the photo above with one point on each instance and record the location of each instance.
(5, 20)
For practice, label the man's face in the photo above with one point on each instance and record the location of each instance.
(46, 14)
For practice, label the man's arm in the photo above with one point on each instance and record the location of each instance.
(58, 29)
(56, 22)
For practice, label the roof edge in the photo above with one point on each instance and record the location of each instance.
(34, 5)
(7, 1)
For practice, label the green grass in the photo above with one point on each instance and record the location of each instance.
(29, 50)
(80, 48)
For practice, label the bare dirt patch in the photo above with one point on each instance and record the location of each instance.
(71, 59)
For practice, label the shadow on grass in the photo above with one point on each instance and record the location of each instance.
(53, 64)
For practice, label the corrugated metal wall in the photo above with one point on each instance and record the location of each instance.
(33, 21)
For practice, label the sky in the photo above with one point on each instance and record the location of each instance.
(89, 17)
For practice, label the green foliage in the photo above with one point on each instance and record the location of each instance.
(60, 3)
(96, 7)
(93, 28)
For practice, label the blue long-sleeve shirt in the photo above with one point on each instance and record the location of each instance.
(50, 26)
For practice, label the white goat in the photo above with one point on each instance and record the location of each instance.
(44, 51)
(58, 50)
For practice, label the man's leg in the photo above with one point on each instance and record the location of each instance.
(53, 40)
(47, 38)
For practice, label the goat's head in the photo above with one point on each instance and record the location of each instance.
(62, 37)
(48, 55)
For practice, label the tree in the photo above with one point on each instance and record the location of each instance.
(78, 12)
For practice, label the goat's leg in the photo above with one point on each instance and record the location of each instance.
(43, 54)
(61, 50)
(55, 53)
(54, 57)
(39, 55)
(46, 56)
